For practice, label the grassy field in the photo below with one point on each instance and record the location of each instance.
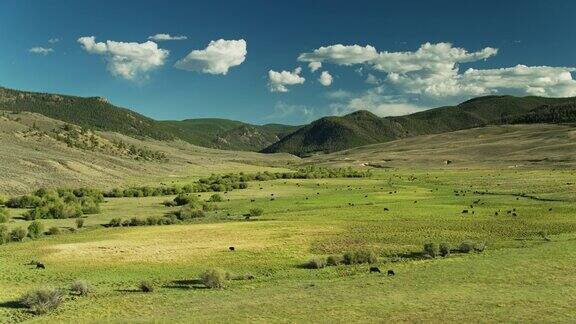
(524, 275)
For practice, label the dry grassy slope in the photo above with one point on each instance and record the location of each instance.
(539, 145)
(29, 162)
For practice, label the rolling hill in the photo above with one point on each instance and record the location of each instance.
(494, 146)
(98, 114)
(332, 134)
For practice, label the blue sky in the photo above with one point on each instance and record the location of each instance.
(390, 57)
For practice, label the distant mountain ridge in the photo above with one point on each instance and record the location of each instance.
(97, 113)
(327, 134)
(330, 134)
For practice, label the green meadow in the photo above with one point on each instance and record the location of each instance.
(524, 219)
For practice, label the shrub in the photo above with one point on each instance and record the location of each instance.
(169, 203)
(137, 222)
(79, 222)
(189, 212)
(216, 198)
(4, 234)
(153, 220)
(115, 222)
(80, 287)
(54, 230)
(256, 212)
(35, 229)
(214, 278)
(431, 249)
(360, 256)
(18, 234)
(146, 286)
(4, 215)
(466, 247)
(184, 199)
(480, 246)
(315, 263)
(445, 249)
(333, 260)
(42, 301)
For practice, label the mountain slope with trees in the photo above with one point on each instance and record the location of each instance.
(330, 134)
(98, 114)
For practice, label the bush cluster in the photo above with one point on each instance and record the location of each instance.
(214, 278)
(43, 300)
(58, 204)
(359, 256)
(148, 221)
(444, 249)
(231, 181)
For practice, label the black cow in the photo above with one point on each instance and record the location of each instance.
(231, 248)
(391, 272)
(375, 269)
(40, 265)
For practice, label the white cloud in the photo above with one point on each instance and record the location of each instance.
(277, 81)
(341, 54)
(298, 113)
(433, 71)
(53, 40)
(127, 60)
(371, 79)
(314, 66)
(41, 50)
(338, 94)
(166, 37)
(325, 79)
(217, 58)
(377, 102)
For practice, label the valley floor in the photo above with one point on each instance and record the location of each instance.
(526, 273)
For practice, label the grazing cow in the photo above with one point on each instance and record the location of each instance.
(231, 248)
(252, 200)
(549, 209)
(495, 213)
(391, 272)
(415, 201)
(514, 214)
(306, 198)
(40, 265)
(465, 211)
(386, 209)
(271, 199)
(366, 196)
(375, 269)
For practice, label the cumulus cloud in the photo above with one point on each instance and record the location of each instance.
(325, 79)
(278, 81)
(53, 40)
(166, 37)
(341, 54)
(433, 71)
(217, 58)
(297, 113)
(127, 60)
(41, 50)
(378, 102)
(371, 79)
(314, 66)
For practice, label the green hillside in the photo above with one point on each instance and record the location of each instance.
(227, 134)
(332, 134)
(98, 114)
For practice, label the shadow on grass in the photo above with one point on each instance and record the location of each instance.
(128, 290)
(186, 284)
(15, 304)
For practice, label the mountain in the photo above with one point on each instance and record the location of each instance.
(330, 134)
(228, 134)
(98, 114)
(337, 133)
